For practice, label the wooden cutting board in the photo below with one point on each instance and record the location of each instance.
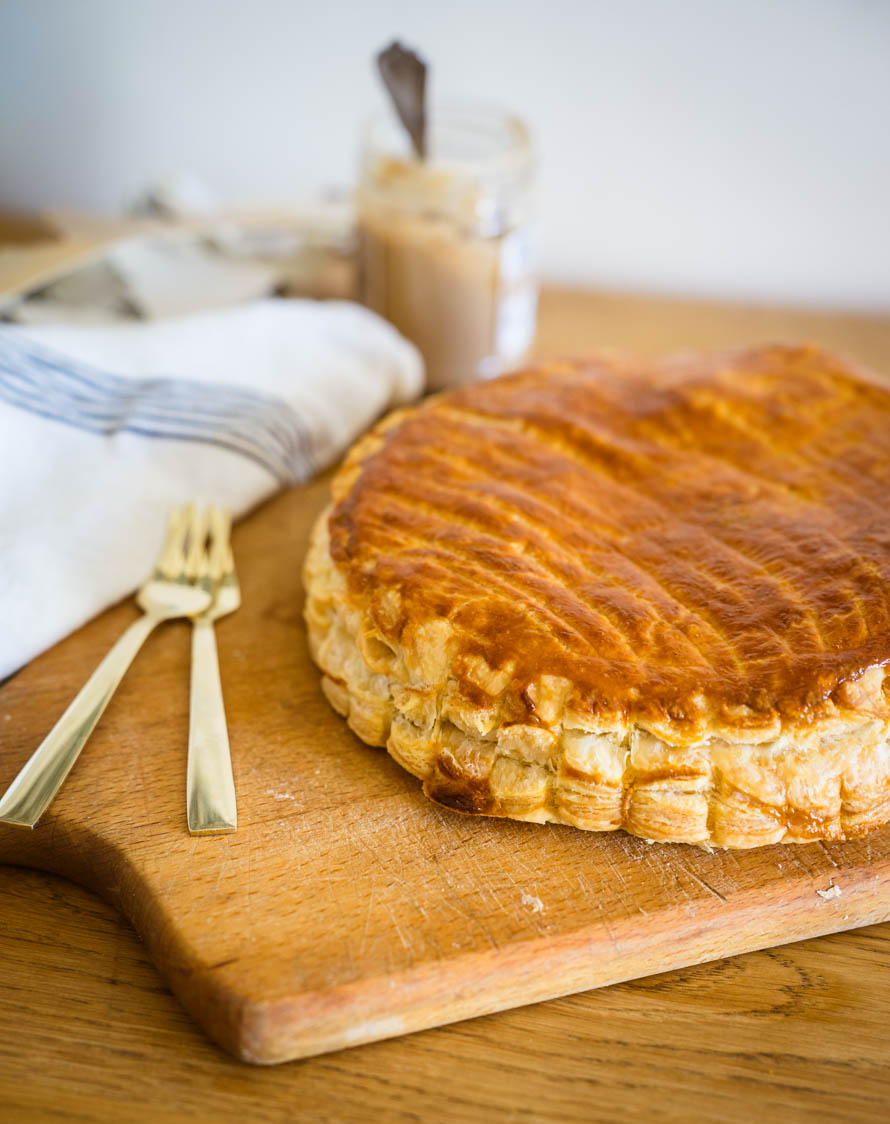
(347, 908)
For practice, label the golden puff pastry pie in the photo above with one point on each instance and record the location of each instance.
(624, 594)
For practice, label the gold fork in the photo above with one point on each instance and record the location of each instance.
(210, 789)
(179, 586)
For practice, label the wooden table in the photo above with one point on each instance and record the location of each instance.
(88, 1032)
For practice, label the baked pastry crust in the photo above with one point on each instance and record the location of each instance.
(618, 594)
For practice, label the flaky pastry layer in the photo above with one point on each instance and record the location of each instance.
(830, 781)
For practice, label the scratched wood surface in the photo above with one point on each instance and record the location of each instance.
(348, 907)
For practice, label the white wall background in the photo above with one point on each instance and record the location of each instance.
(701, 146)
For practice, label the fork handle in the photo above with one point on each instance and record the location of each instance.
(29, 795)
(210, 787)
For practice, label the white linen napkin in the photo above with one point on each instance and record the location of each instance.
(103, 429)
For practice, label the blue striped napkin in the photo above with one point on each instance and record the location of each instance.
(103, 429)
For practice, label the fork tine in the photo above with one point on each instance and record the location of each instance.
(221, 561)
(230, 557)
(170, 560)
(196, 553)
(217, 543)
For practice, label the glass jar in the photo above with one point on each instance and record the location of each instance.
(445, 243)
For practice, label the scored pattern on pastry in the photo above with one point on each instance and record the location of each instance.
(617, 594)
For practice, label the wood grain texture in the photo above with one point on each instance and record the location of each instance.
(823, 1064)
(88, 1033)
